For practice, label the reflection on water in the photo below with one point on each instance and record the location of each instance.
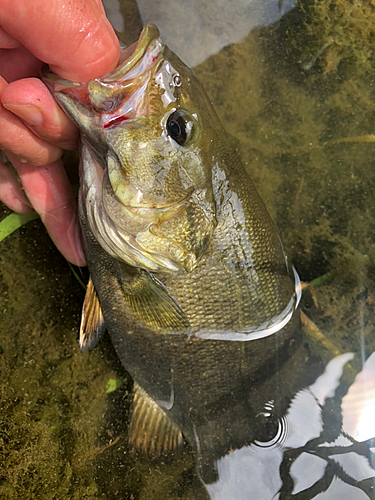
(358, 405)
(298, 99)
(309, 452)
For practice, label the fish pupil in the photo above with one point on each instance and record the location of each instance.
(176, 131)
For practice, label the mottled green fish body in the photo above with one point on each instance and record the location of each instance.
(190, 274)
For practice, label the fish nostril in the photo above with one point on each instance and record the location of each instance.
(104, 98)
(108, 105)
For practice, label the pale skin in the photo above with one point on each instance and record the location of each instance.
(77, 41)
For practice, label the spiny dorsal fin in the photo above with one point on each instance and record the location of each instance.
(151, 431)
(92, 321)
(150, 301)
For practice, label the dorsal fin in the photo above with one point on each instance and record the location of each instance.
(151, 431)
(92, 321)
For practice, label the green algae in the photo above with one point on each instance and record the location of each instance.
(52, 397)
(305, 133)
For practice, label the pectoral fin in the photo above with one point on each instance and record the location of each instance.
(151, 431)
(150, 302)
(92, 321)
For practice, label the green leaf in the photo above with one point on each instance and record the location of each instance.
(13, 222)
(113, 384)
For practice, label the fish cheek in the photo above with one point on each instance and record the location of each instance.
(185, 233)
(190, 230)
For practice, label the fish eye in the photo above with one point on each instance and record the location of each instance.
(182, 127)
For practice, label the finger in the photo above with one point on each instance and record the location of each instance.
(74, 37)
(18, 63)
(100, 5)
(50, 194)
(11, 193)
(31, 101)
(7, 41)
(15, 137)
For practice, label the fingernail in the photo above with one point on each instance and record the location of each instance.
(29, 113)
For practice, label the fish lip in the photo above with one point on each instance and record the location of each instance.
(131, 197)
(160, 208)
(165, 208)
(149, 33)
(54, 82)
(147, 36)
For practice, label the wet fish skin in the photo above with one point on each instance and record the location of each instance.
(183, 255)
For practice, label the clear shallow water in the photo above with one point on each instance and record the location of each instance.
(297, 97)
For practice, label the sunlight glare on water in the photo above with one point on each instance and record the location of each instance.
(358, 405)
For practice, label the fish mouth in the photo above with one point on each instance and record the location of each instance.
(119, 96)
(131, 55)
(107, 94)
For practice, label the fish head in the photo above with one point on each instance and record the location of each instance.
(148, 132)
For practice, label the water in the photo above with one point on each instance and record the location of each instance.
(297, 96)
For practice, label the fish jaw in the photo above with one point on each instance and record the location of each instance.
(108, 101)
(119, 241)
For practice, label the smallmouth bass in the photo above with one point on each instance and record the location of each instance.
(188, 272)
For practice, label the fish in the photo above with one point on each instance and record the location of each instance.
(187, 270)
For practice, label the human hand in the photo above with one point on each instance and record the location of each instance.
(77, 41)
